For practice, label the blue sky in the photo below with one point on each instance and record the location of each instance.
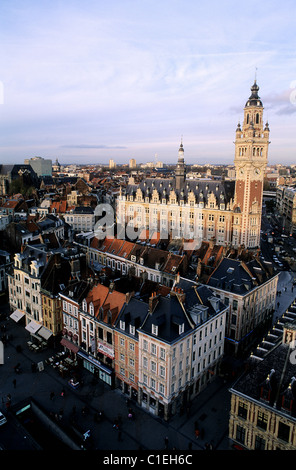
(86, 81)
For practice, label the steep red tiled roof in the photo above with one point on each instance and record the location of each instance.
(106, 244)
(115, 247)
(58, 206)
(10, 204)
(112, 301)
(125, 249)
(173, 263)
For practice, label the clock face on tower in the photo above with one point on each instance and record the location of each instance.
(257, 171)
(241, 171)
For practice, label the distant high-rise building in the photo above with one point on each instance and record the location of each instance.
(132, 163)
(112, 164)
(41, 166)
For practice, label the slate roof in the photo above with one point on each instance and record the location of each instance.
(255, 381)
(31, 254)
(56, 274)
(223, 190)
(14, 169)
(133, 313)
(77, 290)
(167, 315)
(83, 210)
(237, 276)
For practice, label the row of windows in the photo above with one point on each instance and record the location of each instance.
(68, 307)
(154, 350)
(172, 201)
(283, 434)
(17, 277)
(70, 322)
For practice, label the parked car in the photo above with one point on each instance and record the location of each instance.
(3, 420)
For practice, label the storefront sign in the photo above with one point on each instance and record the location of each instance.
(109, 352)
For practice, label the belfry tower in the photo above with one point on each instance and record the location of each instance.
(180, 173)
(251, 150)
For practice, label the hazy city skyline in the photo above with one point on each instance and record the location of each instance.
(91, 81)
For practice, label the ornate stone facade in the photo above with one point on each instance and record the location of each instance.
(202, 209)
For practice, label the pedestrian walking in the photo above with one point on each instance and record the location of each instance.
(115, 424)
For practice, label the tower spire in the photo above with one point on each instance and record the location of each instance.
(180, 170)
(251, 151)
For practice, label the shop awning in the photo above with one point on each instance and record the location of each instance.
(17, 315)
(69, 345)
(45, 333)
(95, 362)
(33, 327)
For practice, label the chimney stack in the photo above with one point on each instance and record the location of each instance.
(153, 300)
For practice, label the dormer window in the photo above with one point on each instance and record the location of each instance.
(154, 330)
(84, 306)
(181, 328)
(91, 309)
(122, 325)
(132, 329)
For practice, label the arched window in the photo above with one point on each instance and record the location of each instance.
(257, 118)
(247, 118)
